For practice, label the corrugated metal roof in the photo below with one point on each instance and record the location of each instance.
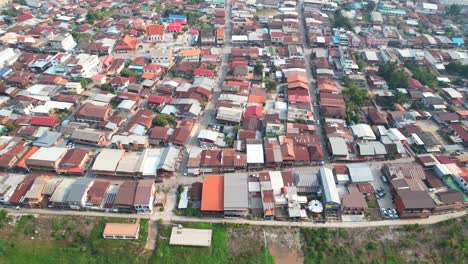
(329, 186)
(236, 191)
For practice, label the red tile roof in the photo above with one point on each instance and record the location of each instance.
(47, 121)
(213, 194)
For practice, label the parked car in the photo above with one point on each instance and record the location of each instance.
(384, 179)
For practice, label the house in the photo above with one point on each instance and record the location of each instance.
(46, 159)
(121, 231)
(220, 36)
(92, 113)
(62, 42)
(190, 55)
(89, 137)
(74, 162)
(127, 44)
(161, 56)
(124, 201)
(144, 196)
(77, 197)
(96, 194)
(353, 202)
(212, 202)
(236, 200)
(154, 33)
(227, 115)
(413, 204)
(332, 202)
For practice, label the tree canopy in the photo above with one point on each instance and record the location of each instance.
(340, 21)
(393, 75)
(456, 68)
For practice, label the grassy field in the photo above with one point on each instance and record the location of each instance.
(217, 253)
(68, 240)
(445, 242)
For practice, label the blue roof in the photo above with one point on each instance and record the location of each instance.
(177, 17)
(458, 41)
(5, 71)
(336, 39)
(356, 5)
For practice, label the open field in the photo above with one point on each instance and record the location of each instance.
(67, 240)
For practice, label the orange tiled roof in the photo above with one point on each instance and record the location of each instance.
(213, 194)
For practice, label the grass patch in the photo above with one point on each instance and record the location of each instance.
(65, 240)
(372, 203)
(217, 253)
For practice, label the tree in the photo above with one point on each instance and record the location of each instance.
(341, 21)
(258, 69)
(106, 87)
(185, 29)
(393, 75)
(456, 68)
(9, 12)
(160, 121)
(355, 96)
(454, 10)
(270, 85)
(211, 67)
(346, 81)
(175, 35)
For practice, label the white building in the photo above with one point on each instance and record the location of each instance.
(84, 65)
(64, 42)
(8, 56)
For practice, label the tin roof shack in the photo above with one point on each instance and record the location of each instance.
(34, 197)
(190, 237)
(59, 196)
(106, 162)
(8, 186)
(332, 202)
(121, 230)
(360, 172)
(212, 195)
(125, 197)
(96, 194)
(236, 198)
(46, 159)
(144, 197)
(413, 204)
(77, 197)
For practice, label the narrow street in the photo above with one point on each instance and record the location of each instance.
(313, 86)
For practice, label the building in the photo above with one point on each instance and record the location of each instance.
(236, 200)
(62, 42)
(46, 159)
(332, 202)
(76, 198)
(121, 230)
(144, 197)
(213, 195)
(413, 204)
(92, 113)
(107, 161)
(124, 201)
(190, 237)
(155, 33)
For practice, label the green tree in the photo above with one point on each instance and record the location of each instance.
(355, 95)
(340, 21)
(185, 29)
(258, 69)
(160, 120)
(346, 81)
(454, 10)
(9, 12)
(270, 85)
(175, 35)
(393, 75)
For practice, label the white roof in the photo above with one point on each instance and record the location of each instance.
(329, 185)
(360, 172)
(276, 180)
(208, 134)
(363, 131)
(48, 154)
(183, 202)
(429, 6)
(254, 186)
(108, 159)
(126, 104)
(453, 93)
(255, 153)
(190, 237)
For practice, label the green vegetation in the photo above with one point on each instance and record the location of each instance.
(453, 10)
(9, 12)
(258, 69)
(456, 68)
(424, 75)
(270, 85)
(393, 75)
(387, 102)
(4, 218)
(69, 240)
(340, 21)
(355, 98)
(164, 120)
(217, 253)
(129, 73)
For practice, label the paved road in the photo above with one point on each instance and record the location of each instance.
(167, 218)
(310, 77)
